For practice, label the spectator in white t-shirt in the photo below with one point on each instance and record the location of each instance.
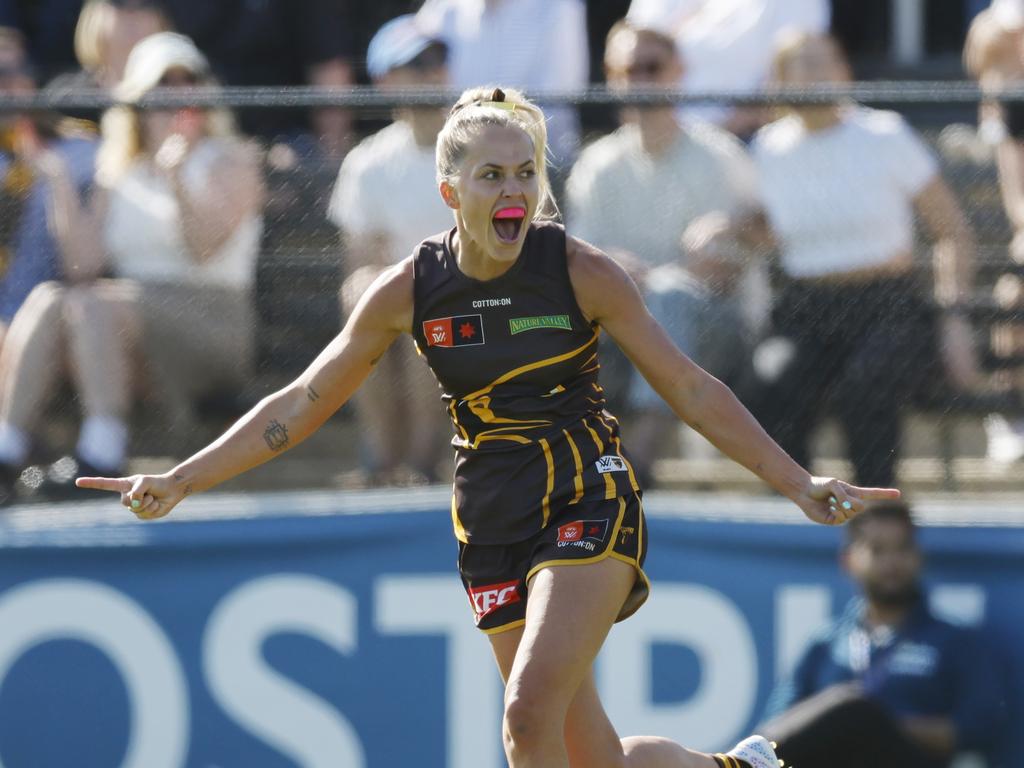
(728, 45)
(635, 192)
(535, 45)
(841, 185)
(384, 200)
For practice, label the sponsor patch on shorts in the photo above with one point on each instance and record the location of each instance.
(607, 464)
(490, 598)
(585, 534)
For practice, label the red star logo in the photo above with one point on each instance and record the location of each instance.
(467, 331)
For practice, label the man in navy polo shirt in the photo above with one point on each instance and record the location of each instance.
(888, 684)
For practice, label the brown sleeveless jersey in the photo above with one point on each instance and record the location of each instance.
(517, 363)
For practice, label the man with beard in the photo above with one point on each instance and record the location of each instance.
(888, 684)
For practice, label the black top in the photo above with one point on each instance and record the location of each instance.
(517, 363)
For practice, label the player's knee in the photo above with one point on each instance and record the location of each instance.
(529, 723)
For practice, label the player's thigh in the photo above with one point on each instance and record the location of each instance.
(568, 615)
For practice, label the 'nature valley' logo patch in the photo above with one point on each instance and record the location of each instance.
(520, 324)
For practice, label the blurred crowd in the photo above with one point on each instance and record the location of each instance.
(778, 247)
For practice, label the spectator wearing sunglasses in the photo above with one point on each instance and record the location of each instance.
(635, 192)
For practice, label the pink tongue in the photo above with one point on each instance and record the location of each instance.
(511, 213)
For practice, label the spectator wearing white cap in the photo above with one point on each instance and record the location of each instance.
(384, 200)
(177, 216)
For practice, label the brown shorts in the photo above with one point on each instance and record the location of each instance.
(496, 575)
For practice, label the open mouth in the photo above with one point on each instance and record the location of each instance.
(508, 223)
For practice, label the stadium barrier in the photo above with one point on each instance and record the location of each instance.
(325, 629)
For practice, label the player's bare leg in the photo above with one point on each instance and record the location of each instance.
(553, 717)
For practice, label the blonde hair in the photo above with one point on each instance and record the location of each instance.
(485, 106)
(991, 51)
(93, 29)
(122, 140)
(790, 43)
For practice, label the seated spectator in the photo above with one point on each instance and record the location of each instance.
(994, 55)
(384, 200)
(177, 210)
(279, 43)
(634, 192)
(530, 44)
(840, 185)
(888, 685)
(698, 300)
(728, 45)
(43, 158)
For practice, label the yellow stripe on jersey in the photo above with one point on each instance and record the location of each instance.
(460, 532)
(578, 480)
(618, 447)
(546, 503)
(529, 367)
(481, 408)
(609, 484)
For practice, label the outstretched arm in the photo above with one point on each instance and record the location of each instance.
(288, 416)
(607, 295)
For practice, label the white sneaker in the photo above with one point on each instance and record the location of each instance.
(757, 752)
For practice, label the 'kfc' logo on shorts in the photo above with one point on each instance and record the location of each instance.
(488, 599)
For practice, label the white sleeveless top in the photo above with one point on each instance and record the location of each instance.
(143, 233)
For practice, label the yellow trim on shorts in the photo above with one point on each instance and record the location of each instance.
(585, 560)
(504, 627)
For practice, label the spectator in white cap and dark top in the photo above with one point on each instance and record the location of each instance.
(384, 200)
(176, 217)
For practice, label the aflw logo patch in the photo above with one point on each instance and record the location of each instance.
(458, 331)
(520, 324)
(584, 534)
(608, 464)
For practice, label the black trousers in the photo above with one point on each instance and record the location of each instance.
(839, 728)
(861, 352)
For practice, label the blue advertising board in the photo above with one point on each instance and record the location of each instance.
(331, 629)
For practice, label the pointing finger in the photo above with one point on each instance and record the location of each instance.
(876, 494)
(115, 484)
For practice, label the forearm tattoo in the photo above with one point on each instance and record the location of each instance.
(276, 435)
(188, 487)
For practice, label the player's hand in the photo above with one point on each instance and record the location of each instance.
(829, 501)
(147, 496)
